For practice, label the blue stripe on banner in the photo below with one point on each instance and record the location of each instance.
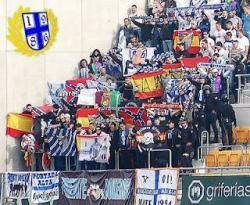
(157, 173)
(146, 191)
(44, 188)
(167, 191)
(156, 192)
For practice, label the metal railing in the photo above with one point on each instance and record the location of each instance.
(169, 157)
(208, 148)
(243, 82)
(160, 150)
(217, 170)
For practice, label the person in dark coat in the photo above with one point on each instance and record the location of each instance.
(124, 146)
(146, 32)
(187, 143)
(173, 139)
(114, 135)
(228, 120)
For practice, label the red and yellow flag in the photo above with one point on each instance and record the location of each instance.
(193, 36)
(149, 85)
(19, 124)
(82, 116)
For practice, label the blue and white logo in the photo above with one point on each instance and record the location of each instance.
(36, 29)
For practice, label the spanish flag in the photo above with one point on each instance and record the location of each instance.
(149, 85)
(191, 36)
(83, 114)
(19, 124)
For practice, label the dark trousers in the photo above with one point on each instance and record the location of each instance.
(125, 161)
(141, 159)
(211, 121)
(186, 161)
(60, 163)
(176, 156)
(112, 159)
(38, 158)
(227, 133)
(92, 165)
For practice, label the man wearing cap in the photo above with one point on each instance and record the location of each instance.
(236, 53)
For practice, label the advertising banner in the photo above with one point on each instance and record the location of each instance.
(216, 190)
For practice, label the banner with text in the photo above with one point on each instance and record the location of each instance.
(156, 187)
(93, 188)
(45, 187)
(215, 190)
(18, 185)
(94, 147)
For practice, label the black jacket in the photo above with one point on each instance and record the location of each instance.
(146, 30)
(210, 104)
(167, 31)
(173, 138)
(227, 113)
(187, 135)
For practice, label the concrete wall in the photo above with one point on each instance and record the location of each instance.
(83, 26)
(242, 112)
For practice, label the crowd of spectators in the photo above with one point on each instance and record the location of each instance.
(224, 35)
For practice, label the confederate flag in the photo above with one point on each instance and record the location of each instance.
(134, 116)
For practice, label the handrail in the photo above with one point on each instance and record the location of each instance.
(240, 75)
(200, 156)
(117, 156)
(195, 170)
(160, 150)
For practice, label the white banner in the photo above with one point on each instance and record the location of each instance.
(18, 185)
(94, 148)
(86, 97)
(156, 187)
(45, 187)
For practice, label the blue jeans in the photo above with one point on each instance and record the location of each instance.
(167, 45)
(246, 27)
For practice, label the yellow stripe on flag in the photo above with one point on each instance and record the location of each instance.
(19, 122)
(149, 84)
(84, 121)
(195, 41)
(78, 142)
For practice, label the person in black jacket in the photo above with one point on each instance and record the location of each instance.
(228, 120)
(204, 25)
(146, 32)
(187, 143)
(52, 117)
(124, 146)
(199, 125)
(114, 135)
(174, 143)
(211, 115)
(166, 34)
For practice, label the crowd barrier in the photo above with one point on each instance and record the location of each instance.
(149, 159)
(243, 88)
